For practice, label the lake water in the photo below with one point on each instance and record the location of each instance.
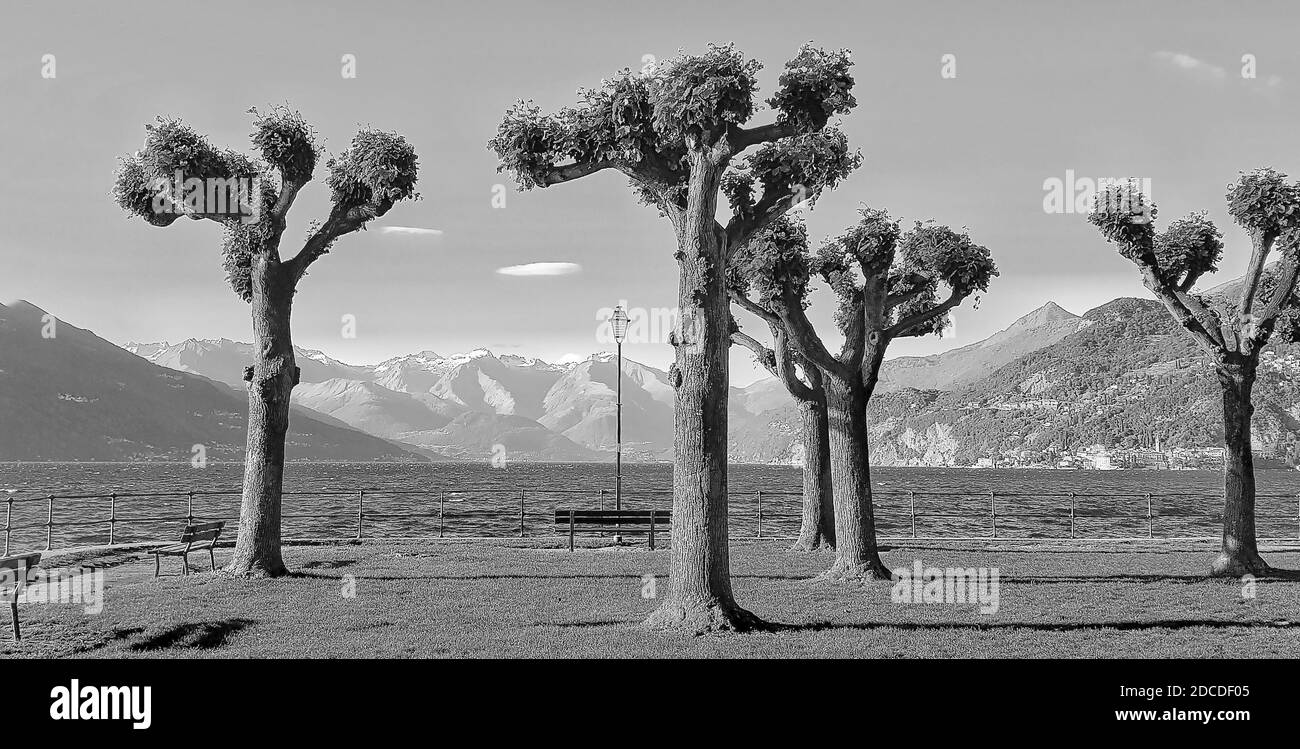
(474, 499)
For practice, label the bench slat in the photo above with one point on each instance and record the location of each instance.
(202, 531)
(20, 561)
(610, 517)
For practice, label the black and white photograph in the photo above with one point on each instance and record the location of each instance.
(455, 344)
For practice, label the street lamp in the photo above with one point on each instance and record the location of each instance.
(618, 323)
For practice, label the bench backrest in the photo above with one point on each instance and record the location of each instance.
(13, 570)
(613, 517)
(202, 532)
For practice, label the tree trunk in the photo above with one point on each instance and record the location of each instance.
(1240, 555)
(270, 382)
(856, 555)
(817, 530)
(700, 598)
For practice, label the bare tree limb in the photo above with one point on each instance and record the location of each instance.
(749, 305)
(805, 341)
(341, 221)
(1285, 288)
(918, 285)
(763, 354)
(914, 320)
(742, 138)
(742, 228)
(567, 173)
(1260, 246)
(787, 360)
(1210, 338)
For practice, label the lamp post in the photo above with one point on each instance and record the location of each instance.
(618, 323)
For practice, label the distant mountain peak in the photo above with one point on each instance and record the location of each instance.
(1049, 312)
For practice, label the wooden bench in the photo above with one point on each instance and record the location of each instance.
(193, 534)
(17, 567)
(630, 521)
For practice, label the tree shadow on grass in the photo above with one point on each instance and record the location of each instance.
(301, 574)
(196, 635)
(331, 565)
(977, 626)
(1275, 575)
(1118, 578)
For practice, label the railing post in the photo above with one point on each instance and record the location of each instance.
(112, 518)
(1071, 514)
(49, 522)
(760, 513)
(189, 509)
(442, 498)
(1148, 515)
(993, 512)
(911, 509)
(521, 514)
(361, 510)
(9, 516)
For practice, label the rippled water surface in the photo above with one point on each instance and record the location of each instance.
(474, 499)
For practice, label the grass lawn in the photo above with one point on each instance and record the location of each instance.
(523, 599)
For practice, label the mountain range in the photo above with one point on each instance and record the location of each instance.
(67, 394)
(1121, 374)
(463, 405)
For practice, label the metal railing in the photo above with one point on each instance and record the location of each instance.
(1019, 511)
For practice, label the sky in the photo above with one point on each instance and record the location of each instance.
(1153, 90)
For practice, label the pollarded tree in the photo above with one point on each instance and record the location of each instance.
(887, 287)
(673, 132)
(775, 257)
(1171, 262)
(179, 173)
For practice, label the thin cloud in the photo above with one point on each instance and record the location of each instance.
(416, 231)
(540, 269)
(1198, 69)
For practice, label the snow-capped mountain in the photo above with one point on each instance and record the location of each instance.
(461, 405)
(224, 360)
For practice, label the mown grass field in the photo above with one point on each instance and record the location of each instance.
(475, 599)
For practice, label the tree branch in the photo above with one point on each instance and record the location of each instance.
(763, 354)
(786, 367)
(567, 173)
(288, 193)
(903, 327)
(1285, 288)
(742, 227)
(805, 341)
(341, 221)
(1260, 246)
(741, 138)
(918, 284)
(749, 305)
(1210, 338)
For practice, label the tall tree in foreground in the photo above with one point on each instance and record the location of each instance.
(179, 173)
(1171, 262)
(777, 256)
(887, 287)
(673, 132)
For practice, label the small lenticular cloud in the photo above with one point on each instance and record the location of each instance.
(1194, 67)
(540, 269)
(413, 231)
